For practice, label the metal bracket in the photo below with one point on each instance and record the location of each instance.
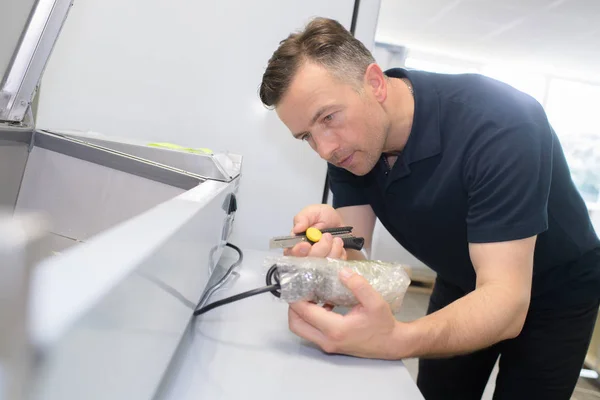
(25, 71)
(4, 104)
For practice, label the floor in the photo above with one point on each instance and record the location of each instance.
(415, 306)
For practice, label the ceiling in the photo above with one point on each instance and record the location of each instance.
(554, 35)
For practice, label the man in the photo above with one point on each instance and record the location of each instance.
(468, 175)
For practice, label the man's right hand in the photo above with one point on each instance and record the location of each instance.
(319, 216)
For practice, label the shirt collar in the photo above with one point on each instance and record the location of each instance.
(424, 140)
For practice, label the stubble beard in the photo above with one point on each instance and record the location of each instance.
(371, 156)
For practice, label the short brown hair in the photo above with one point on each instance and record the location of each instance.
(323, 41)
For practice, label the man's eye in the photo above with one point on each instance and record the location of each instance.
(328, 118)
(305, 137)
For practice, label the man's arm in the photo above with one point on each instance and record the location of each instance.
(495, 311)
(507, 174)
(362, 219)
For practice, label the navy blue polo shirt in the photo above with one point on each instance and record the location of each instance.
(482, 164)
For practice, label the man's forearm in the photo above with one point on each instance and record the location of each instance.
(484, 317)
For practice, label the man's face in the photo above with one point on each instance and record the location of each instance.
(346, 128)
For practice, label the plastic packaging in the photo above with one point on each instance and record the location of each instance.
(317, 280)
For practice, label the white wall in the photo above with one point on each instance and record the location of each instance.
(188, 72)
(366, 23)
(390, 56)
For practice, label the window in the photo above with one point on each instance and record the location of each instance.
(571, 107)
(572, 111)
(444, 68)
(530, 83)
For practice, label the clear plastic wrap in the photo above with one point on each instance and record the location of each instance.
(317, 280)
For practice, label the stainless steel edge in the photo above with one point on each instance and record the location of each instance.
(118, 161)
(30, 60)
(108, 323)
(208, 166)
(16, 134)
(13, 161)
(14, 154)
(234, 169)
(221, 169)
(132, 151)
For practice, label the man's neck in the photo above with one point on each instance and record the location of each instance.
(400, 107)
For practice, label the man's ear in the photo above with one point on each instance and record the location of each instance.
(375, 82)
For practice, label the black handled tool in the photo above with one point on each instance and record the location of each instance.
(313, 235)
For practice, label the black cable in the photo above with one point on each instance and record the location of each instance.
(272, 275)
(211, 290)
(231, 268)
(254, 292)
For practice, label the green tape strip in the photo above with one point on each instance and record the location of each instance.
(172, 146)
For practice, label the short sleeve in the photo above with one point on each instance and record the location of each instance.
(347, 188)
(507, 177)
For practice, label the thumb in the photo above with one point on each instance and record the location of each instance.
(301, 224)
(362, 290)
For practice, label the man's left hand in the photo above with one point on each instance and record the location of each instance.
(369, 330)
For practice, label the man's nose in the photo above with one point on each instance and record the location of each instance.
(326, 147)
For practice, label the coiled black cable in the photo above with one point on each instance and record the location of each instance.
(224, 278)
(273, 288)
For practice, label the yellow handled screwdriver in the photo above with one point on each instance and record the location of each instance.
(313, 235)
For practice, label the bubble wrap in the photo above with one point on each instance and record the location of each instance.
(317, 280)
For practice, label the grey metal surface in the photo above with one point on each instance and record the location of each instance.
(13, 158)
(109, 322)
(15, 14)
(16, 134)
(83, 198)
(119, 161)
(19, 238)
(32, 52)
(245, 350)
(220, 166)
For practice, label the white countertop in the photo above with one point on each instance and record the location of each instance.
(245, 350)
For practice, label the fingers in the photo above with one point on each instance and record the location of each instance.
(323, 247)
(326, 322)
(317, 215)
(300, 250)
(307, 218)
(328, 246)
(304, 223)
(337, 249)
(362, 290)
(304, 329)
(301, 223)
